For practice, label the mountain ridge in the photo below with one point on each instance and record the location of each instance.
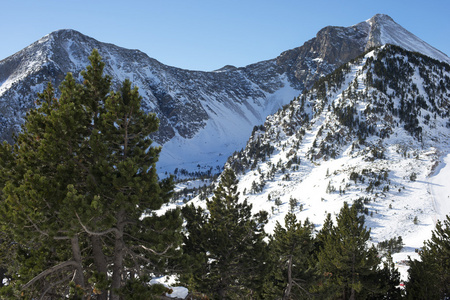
(205, 116)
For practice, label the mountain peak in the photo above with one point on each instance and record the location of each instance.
(64, 36)
(380, 18)
(61, 35)
(65, 31)
(384, 30)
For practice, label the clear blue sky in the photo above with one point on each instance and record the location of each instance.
(208, 34)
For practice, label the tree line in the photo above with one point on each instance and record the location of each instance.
(80, 218)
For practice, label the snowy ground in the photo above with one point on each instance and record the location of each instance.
(392, 215)
(177, 291)
(440, 189)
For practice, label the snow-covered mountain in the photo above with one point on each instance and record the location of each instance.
(205, 116)
(374, 133)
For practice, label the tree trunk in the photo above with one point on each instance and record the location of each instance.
(352, 290)
(287, 292)
(99, 262)
(119, 247)
(76, 252)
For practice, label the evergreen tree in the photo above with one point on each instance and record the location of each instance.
(389, 278)
(80, 190)
(227, 245)
(429, 277)
(291, 249)
(347, 266)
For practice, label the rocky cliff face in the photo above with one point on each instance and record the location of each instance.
(205, 116)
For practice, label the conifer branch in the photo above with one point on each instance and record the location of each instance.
(85, 169)
(135, 256)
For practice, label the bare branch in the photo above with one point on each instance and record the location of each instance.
(49, 271)
(61, 238)
(300, 287)
(135, 255)
(34, 225)
(154, 252)
(53, 285)
(101, 233)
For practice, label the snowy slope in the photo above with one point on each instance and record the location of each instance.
(225, 132)
(361, 134)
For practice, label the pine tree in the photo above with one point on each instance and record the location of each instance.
(347, 265)
(324, 233)
(291, 249)
(80, 191)
(227, 244)
(194, 261)
(429, 277)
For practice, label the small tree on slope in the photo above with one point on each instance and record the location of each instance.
(79, 191)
